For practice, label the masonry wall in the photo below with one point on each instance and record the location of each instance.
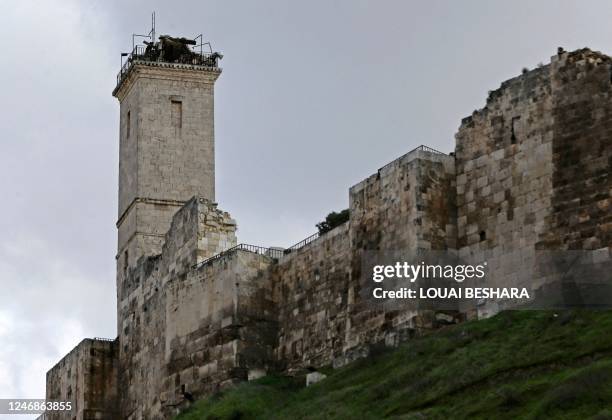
(408, 204)
(581, 152)
(198, 231)
(169, 153)
(220, 326)
(87, 377)
(504, 183)
(533, 172)
(312, 290)
(188, 331)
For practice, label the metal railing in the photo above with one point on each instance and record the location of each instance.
(275, 253)
(302, 243)
(428, 149)
(110, 340)
(270, 252)
(421, 148)
(308, 240)
(141, 53)
(315, 236)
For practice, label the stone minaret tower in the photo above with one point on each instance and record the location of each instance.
(166, 153)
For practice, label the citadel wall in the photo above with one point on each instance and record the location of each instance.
(198, 231)
(531, 172)
(581, 152)
(504, 167)
(207, 328)
(87, 377)
(243, 314)
(409, 204)
(312, 291)
(323, 319)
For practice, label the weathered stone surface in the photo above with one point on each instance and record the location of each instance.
(536, 162)
(173, 329)
(87, 377)
(530, 173)
(166, 153)
(312, 293)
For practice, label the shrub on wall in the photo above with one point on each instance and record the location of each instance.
(333, 220)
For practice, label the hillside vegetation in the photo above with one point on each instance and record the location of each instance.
(532, 365)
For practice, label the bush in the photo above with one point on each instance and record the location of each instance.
(333, 220)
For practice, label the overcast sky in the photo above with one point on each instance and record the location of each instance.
(314, 97)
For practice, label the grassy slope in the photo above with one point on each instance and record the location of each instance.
(515, 365)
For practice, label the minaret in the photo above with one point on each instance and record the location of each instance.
(166, 153)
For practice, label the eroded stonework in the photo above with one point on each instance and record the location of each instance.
(530, 172)
(87, 377)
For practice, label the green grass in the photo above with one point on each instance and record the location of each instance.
(518, 364)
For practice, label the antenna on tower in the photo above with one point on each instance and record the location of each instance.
(150, 35)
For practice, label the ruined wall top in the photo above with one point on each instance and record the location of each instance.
(528, 78)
